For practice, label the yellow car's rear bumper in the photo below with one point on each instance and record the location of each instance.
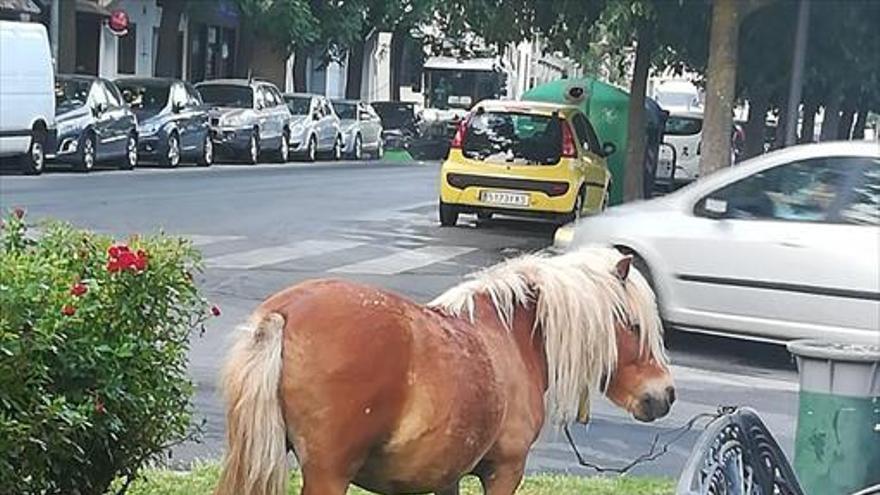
(539, 201)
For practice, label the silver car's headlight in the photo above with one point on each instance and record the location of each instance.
(232, 121)
(148, 129)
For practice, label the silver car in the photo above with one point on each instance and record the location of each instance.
(315, 127)
(361, 129)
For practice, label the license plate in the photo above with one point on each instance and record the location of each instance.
(504, 198)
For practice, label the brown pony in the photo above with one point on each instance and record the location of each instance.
(370, 388)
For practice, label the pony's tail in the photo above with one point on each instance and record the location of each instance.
(256, 456)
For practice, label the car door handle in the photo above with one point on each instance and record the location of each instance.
(791, 243)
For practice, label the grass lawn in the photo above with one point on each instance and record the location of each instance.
(203, 478)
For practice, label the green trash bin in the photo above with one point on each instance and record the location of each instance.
(837, 445)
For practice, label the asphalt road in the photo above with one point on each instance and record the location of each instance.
(266, 227)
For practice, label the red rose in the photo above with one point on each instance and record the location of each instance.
(18, 212)
(140, 263)
(78, 289)
(127, 259)
(123, 248)
(215, 310)
(113, 251)
(68, 310)
(113, 266)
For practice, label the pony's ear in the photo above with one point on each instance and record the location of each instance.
(622, 267)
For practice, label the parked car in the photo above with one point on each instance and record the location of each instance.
(316, 128)
(361, 128)
(172, 120)
(94, 123)
(27, 103)
(247, 118)
(679, 162)
(782, 246)
(524, 159)
(402, 122)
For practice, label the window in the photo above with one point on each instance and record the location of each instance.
(227, 95)
(585, 133)
(807, 191)
(144, 96)
(126, 51)
(515, 138)
(114, 97)
(263, 100)
(178, 96)
(863, 205)
(683, 126)
(279, 100)
(194, 99)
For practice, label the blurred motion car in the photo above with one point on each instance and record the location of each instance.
(361, 129)
(93, 123)
(524, 159)
(401, 122)
(172, 120)
(782, 246)
(247, 117)
(315, 127)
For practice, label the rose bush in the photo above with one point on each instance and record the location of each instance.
(94, 338)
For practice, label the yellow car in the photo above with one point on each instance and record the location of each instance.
(524, 159)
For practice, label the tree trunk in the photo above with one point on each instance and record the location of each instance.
(831, 116)
(844, 127)
(720, 87)
(861, 121)
(754, 130)
(300, 59)
(808, 127)
(355, 71)
(634, 167)
(398, 39)
(169, 28)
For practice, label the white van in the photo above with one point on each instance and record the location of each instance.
(27, 95)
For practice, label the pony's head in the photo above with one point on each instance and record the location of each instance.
(600, 324)
(640, 382)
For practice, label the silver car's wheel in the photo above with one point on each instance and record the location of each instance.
(380, 151)
(87, 157)
(337, 149)
(172, 156)
(358, 152)
(312, 150)
(131, 153)
(207, 152)
(284, 148)
(254, 150)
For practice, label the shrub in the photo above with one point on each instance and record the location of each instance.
(93, 352)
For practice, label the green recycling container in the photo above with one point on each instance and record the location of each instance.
(837, 444)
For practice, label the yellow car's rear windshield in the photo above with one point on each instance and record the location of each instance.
(513, 138)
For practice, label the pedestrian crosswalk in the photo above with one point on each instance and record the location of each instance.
(404, 260)
(265, 256)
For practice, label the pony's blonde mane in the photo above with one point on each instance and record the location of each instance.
(578, 300)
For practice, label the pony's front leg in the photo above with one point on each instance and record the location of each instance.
(503, 478)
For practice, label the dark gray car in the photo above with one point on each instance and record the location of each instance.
(361, 129)
(94, 123)
(248, 117)
(172, 120)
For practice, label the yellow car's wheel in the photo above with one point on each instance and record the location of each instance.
(448, 215)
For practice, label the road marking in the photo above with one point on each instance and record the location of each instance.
(405, 260)
(277, 254)
(204, 240)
